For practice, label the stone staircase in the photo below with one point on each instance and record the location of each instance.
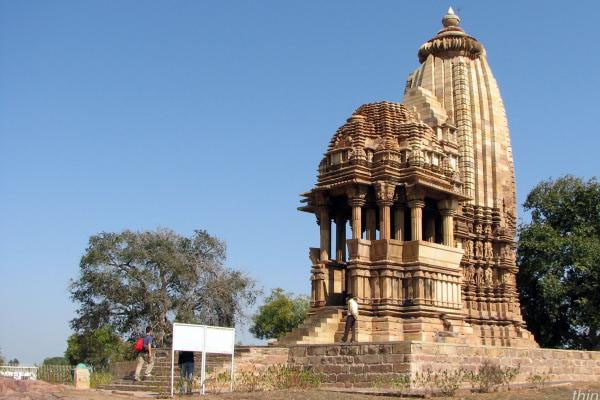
(160, 382)
(245, 358)
(319, 328)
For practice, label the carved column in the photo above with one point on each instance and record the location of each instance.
(340, 238)
(447, 208)
(356, 200)
(385, 198)
(416, 219)
(416, 202)
(325, 225)
(448, 227)
(356, 218)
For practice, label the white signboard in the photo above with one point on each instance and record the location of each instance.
(203, 339)
(188, 337)
(220, 340)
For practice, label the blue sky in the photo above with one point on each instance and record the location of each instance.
(215, 114)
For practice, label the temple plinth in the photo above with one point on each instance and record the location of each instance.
(427, 189)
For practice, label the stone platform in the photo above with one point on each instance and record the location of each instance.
(355, 365)
(359, 365)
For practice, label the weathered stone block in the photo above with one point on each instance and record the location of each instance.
(380, 368)
(316, 351)
(369, 359)
(298, 351)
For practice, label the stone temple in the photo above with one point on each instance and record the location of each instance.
(427, 189)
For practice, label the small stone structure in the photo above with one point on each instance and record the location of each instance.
(82, 377)
(427, 187)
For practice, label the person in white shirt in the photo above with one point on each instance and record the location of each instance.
(351, 317)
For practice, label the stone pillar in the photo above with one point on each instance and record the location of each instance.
(371, 222)
(356, 219)
(448, 227)
(384, 220)
(416, 219)
(325, 225)
(385, 198)
(399, 222)
(340, 238)
(356, 200)
(447, 208)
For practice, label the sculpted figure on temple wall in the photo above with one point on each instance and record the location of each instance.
(488, 250)
(503, 277)
(468, 248)
(511, 278)
(487, 229)
(478, 249)
(504, 252)
(489, 277)
(314, 254)
(469, 272)
(479, 280)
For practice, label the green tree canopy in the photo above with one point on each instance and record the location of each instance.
(134, 279)
(2, 360)
(280, 313)
(55, 360)
(99, 347)
(14, 362)
(559, 263)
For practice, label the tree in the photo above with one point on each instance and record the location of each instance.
(98, 348)
(559, 263)
(2, 360)
(134, 279)
(14, 362)
(280, 313)
(55, 361)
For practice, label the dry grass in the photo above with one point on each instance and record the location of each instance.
(39, 391)
(549, 393)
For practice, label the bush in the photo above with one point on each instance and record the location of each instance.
(539, 380)
(401, 382)
(490, 377)
(276, 377)
(100, 378)
(445, 382)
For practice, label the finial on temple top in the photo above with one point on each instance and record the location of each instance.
(450, 19)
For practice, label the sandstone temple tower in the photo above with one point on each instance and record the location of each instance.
(426, 187)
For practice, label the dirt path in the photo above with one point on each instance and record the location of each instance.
(36, 390)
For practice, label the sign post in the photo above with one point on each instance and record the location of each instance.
(204, 339)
